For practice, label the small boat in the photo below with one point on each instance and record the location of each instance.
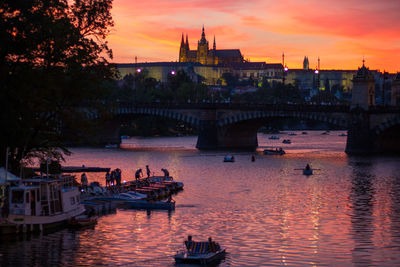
(111, 146)
(150, 205)
(276, 151)
(307, 171)
(82, 221)
(286, 141)
(292, 134)
(273, 137)
(229, 159)
(304, 133)
(200, 252)
(325, 133)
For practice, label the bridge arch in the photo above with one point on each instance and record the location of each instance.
(334, 119)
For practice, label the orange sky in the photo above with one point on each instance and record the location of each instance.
(340, 32)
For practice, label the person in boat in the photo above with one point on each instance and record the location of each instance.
(166, 172)
(84, 181)
(211, 245)
(308, 167)
(138, 173)
(148, 171)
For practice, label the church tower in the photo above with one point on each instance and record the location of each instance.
(306, 64)
(202, 49)
(183, 50)
(363, 94)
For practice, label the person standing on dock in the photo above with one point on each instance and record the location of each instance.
(148, 171)
(118, 177)
(108, 179)
(84, 181)
(137, 174)
(112, 178)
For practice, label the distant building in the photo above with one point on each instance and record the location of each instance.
(207, 56)
(395, 101)
(306, 64)
(363, 94)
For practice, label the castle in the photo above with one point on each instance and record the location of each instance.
(207, 56)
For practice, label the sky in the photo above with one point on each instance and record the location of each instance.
(340, 32)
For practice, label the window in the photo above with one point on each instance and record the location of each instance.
(17, 196)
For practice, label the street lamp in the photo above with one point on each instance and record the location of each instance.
(172, 72)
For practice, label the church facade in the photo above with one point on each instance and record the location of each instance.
(206, 56)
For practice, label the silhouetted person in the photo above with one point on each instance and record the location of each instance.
(308, 167)
(148, 171)
(137, 174)
(166, 172)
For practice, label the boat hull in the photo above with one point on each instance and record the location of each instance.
(183, 257)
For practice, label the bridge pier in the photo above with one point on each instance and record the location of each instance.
(360, 139)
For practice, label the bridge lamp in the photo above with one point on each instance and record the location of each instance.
(286, 68)
(173, 72)
(139, 70)
(316, 71)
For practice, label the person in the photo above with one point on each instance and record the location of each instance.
(253, 158)
(166, 172)
(112, 178)
(108, 178)
(211, 245)
(84, 181)
(308, 167)
(148, 171)
(137, 174)
(118, 177)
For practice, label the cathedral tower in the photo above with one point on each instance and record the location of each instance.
(183, 50)
(202, 49)
(306, 64)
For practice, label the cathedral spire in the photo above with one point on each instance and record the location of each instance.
(187, 42)
(182, 42)
(214, 45)
(203, 35)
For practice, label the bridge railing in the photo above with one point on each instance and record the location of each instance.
(238, 106)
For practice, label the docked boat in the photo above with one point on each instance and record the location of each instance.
(39, 203)
(273, 137)
(229, 159)
(150, 205)
(82, 221)
(200, 252)
(274, 151)
(286, 141)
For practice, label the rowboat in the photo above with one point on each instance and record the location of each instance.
(82, 221)
(200, 252)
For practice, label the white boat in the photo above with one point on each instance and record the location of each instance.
(41, 202)
(200, 252)
(274, 151)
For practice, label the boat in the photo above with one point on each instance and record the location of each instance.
(292, 134)
(111, 146)
(342, 134)
(274, 151)
(200, 252)
(229, 159)
(286, 141)
(39, 203)
(304, 133)
(150, 205)
(273, 137)
(82, 221)
(307, 171)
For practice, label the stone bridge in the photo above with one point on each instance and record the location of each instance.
(234, 126)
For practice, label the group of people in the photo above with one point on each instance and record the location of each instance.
(139, 173)
(113, 178)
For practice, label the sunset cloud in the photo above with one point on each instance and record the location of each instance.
(340, 32)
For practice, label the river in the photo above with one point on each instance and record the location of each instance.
(266, 213)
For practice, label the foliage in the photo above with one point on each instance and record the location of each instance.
(54, 71)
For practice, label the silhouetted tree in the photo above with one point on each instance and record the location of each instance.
(53, 72)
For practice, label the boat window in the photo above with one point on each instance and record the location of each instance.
(17, 196)
(72, 200)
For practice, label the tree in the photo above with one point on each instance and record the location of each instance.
(54, 71)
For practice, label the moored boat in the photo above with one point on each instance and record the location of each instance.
(200, 252)
(274, 151)
(82, 221)
(273, 137)
(152, 205)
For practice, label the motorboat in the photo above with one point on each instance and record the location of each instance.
(39, 203)
(274, 137)
(274, 151)
(229, 159)
(200, 252)
(150, 205)
(82, 221)
(286, 141)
